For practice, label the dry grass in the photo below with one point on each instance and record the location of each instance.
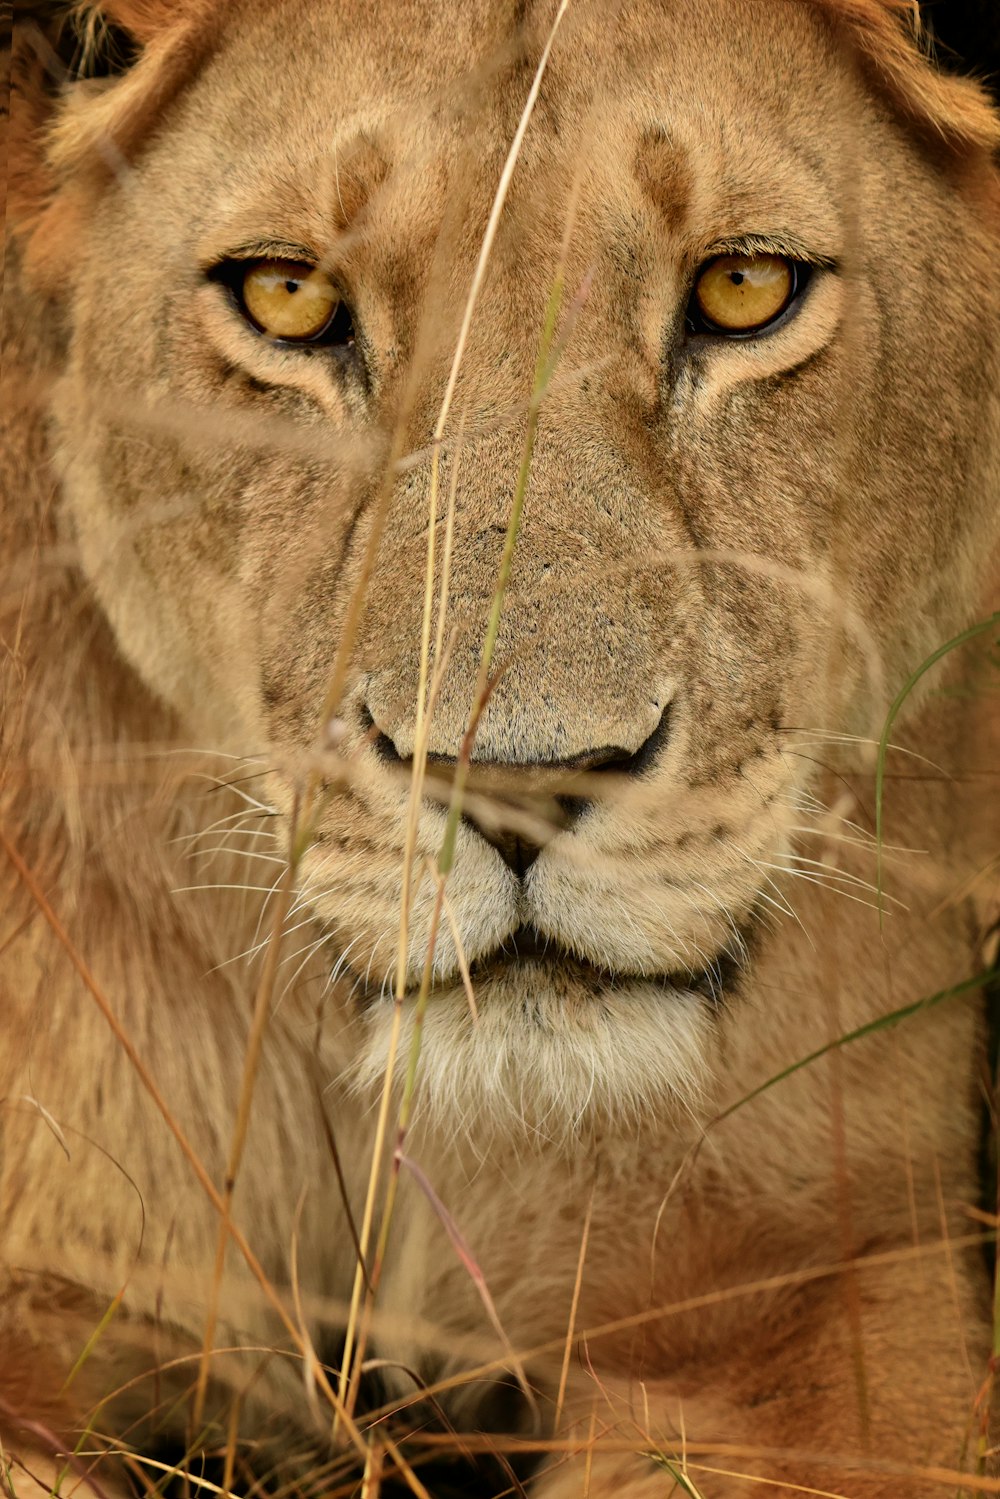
(375, 1450)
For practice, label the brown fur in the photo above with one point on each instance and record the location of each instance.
(769, 535)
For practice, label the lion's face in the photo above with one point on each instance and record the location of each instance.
(728, 536)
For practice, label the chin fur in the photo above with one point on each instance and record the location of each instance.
(547, 1060)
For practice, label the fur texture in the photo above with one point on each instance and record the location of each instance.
(732, 554)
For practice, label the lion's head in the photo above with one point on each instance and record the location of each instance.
(755, 244)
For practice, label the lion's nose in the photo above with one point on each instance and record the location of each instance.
(537, 782)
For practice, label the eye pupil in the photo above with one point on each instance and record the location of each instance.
(290, 301)
(737, 295)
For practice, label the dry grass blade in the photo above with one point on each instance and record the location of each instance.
(574, 1307)
(473, 1270)
(486, 247)
(50, 1443)
(896, 707)
(456, 937)
(882, 1022)
(190, 1155)
(543, 371)
(814, 1274)
(255, 1039)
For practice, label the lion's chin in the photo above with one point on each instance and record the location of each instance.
(546, 1056)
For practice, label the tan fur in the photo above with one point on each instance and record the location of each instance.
(766, 535)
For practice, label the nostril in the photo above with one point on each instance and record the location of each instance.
(616, 761)
(380, 742)
(646, 755)
(385, 749)
(614, 758)
(564, 808)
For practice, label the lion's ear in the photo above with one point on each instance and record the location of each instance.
(89, 81)
(143, 20)
(966, 36)
(87, 34)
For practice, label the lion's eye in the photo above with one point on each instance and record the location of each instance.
(293, 301)
(743, 293)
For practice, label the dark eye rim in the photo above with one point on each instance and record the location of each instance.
(338, 332)
(699, 325)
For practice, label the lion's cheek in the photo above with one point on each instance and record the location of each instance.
(181, 618)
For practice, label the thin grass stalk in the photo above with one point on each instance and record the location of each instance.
(789, 1280)
(48, 1442)
(202, 1176)
(460, 955)
(678, 1472)
(881, 1023)
(346, 643)
(241, 1124)
(363, 1275)
(426, 693)
(371, 1484)
(340, 666)
(894, 710)
(588, 1471)
(362, 1278)
(91, 1343)
(461, 1247)
(420, 735)
(229, 1460)
(311, 1362)
(543, 371)
(574, 1308)
(447, 549)
(378, 1262)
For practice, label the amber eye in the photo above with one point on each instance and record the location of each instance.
(294, 301)
(743, 293)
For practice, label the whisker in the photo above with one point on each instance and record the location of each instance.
(341, 963)
(832, 870)
(251, 801)
(235, 853)
(310, 949)
(251, 952)
(820, 737)
(262, 889)
(242, 815)
(810, 878)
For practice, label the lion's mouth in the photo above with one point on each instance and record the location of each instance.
(527, 945)
(550, 964)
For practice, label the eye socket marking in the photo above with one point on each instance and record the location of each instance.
(739, 295)
(288, 301)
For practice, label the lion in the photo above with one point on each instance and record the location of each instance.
(490, 1001)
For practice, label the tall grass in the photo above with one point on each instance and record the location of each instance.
(356, 1444)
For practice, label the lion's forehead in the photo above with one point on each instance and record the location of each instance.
(700, 115)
